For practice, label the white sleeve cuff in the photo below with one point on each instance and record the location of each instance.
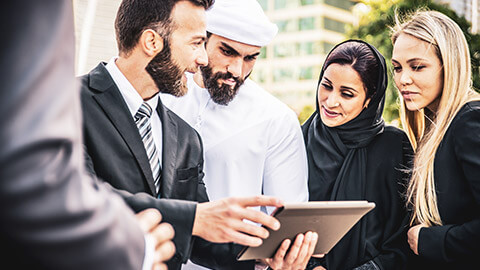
(149, 253)
(261, 266)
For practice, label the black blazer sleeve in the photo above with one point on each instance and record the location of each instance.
(219, 256)
(52, 215)
(179, 213)
(454, 242)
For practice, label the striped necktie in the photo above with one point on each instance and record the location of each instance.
(142, 119)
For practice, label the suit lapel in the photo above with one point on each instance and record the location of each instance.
(169, 155)
(111, 101)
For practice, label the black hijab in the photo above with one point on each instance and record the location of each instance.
(337, 158)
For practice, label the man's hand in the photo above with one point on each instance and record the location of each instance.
(161, 233)
(413, 233)
(222, 221)
(298, 255)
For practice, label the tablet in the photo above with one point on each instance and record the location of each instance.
(330, 219)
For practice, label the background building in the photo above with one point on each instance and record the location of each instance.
(94, 32)
(288, 67)
(470, 9)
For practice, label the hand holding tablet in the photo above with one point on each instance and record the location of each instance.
(331, 220)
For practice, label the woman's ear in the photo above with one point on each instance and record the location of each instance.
(151, 42)
(366, 103)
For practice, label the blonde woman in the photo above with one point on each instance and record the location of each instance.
(441, 115)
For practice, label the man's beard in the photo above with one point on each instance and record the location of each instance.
(166, 73)
(224, 93)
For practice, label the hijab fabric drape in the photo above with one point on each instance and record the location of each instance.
(337, 158)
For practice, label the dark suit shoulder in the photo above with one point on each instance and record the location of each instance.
(83, 82)
(97, 80)
(86, 96)
(83, 79)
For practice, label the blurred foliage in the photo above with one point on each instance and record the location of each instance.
(374, 28)
(305, 113)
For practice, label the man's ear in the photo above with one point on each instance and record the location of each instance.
(150, 42)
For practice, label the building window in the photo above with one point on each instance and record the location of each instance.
(284, 50)
(306, 73)
(263, 53)
(280, 4)
(287, 26)
(259, 76)
(306, 23)
(327, 47)
(264, 4)
(306, 2)
(334, 25)
(343, 4)
(305, 48)
(282, 74)
(282, 26)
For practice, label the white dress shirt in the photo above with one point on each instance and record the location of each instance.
(134, 102)
(252, 146)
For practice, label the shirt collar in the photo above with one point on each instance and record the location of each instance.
(128, 92)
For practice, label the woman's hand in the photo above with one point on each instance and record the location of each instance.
(298, 255)
(413, 233)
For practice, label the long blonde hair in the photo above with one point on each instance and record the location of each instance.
(452, 49)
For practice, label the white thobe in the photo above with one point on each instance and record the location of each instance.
(252, 146)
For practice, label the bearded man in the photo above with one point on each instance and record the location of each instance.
(146, 152)
(253, 143)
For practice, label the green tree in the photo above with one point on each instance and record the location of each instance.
(374, 28)
(306, 112)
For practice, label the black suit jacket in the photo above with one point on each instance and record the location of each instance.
(115, 153)
(52, 215)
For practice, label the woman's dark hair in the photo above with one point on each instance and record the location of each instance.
(361, 58)
(134, 16)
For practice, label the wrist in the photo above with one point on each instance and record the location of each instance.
(196, 229)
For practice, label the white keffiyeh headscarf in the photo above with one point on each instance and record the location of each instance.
(241, 20)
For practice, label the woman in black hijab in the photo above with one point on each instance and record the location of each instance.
(353, 155)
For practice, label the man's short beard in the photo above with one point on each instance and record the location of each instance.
(224, 93)
(166, 73)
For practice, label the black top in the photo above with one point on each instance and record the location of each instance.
(456, 244)
(363, 160)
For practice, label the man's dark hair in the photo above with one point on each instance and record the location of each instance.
(135, 16)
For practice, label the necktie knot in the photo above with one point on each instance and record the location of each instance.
(144, 111)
